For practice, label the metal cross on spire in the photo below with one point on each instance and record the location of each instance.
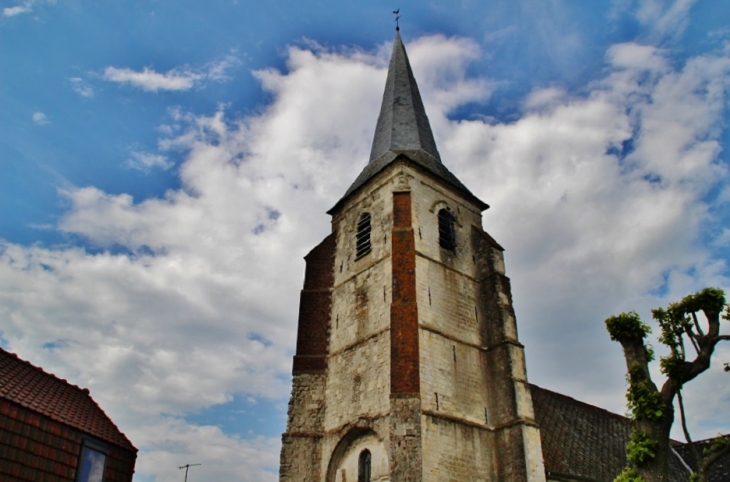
(397, 17)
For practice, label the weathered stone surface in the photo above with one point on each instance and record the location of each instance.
(301, 452)
(406, 457)
(456, 452)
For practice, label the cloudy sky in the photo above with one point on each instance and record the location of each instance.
(165, 165)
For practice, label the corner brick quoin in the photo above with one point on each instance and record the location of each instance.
(404, 370)
(314, 309)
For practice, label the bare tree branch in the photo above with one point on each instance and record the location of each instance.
(697, 324)
(695, 452)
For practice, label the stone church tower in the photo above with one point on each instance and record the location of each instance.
(408, 366)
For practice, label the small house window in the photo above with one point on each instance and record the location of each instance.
(92, 462)
(447, 235)
(363, 466)
(363, 236)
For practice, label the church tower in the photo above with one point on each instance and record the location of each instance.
(407, 365)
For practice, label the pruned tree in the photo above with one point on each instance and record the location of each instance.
(691, 342)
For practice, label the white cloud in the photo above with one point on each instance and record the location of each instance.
(218, 70)
(151, 81)
(144, 161)
(25, 6)
(222, 457)
(180, 79)
(17, 10)
(636, 58)
(545, 98)
(81, 87)
(664, 19)
(600, 200)
(40, 118)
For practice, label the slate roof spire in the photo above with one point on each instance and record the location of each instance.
(403, 128)
(403, 124)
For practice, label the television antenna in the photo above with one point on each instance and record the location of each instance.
(186, 467)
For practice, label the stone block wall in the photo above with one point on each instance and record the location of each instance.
(456, 452)
(358, 383)
(359, 346)
(453, 379)
(301, 451)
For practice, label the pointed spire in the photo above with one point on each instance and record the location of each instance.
(403, 124)
(403, 129)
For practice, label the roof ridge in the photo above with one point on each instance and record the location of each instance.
(575, 400)
(40, 369)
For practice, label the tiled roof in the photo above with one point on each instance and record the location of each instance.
(579, 439)
(589, 443)
(32, 388)
(720, 469)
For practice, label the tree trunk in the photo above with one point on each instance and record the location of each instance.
(657, 469)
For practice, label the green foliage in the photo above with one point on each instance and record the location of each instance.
(711, 299)
(650, 355)
(676, 319)
(694, 477)
(626, 327)
(629, 475)
(673, 366)
(644, 402)
(673, 322)
(718, 444)
(641, 448)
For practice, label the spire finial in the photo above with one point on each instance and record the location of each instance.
(397, 17)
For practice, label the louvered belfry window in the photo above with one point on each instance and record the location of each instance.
(363, 466)
(447, 235)
(363, 236)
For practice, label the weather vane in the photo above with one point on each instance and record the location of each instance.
(397, 17)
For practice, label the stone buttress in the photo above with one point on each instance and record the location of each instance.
(408, 366)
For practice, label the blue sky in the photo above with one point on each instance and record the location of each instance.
(164, 166)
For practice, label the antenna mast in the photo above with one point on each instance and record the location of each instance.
(186, 467)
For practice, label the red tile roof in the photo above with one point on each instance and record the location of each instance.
(44, 393)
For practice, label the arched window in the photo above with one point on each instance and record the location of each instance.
(363, 236)
(447, 235)
(363, 466)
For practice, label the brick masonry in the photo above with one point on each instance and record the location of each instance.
(36, 448)
(404, 354)
(314, 309)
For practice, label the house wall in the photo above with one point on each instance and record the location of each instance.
(35, 448)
